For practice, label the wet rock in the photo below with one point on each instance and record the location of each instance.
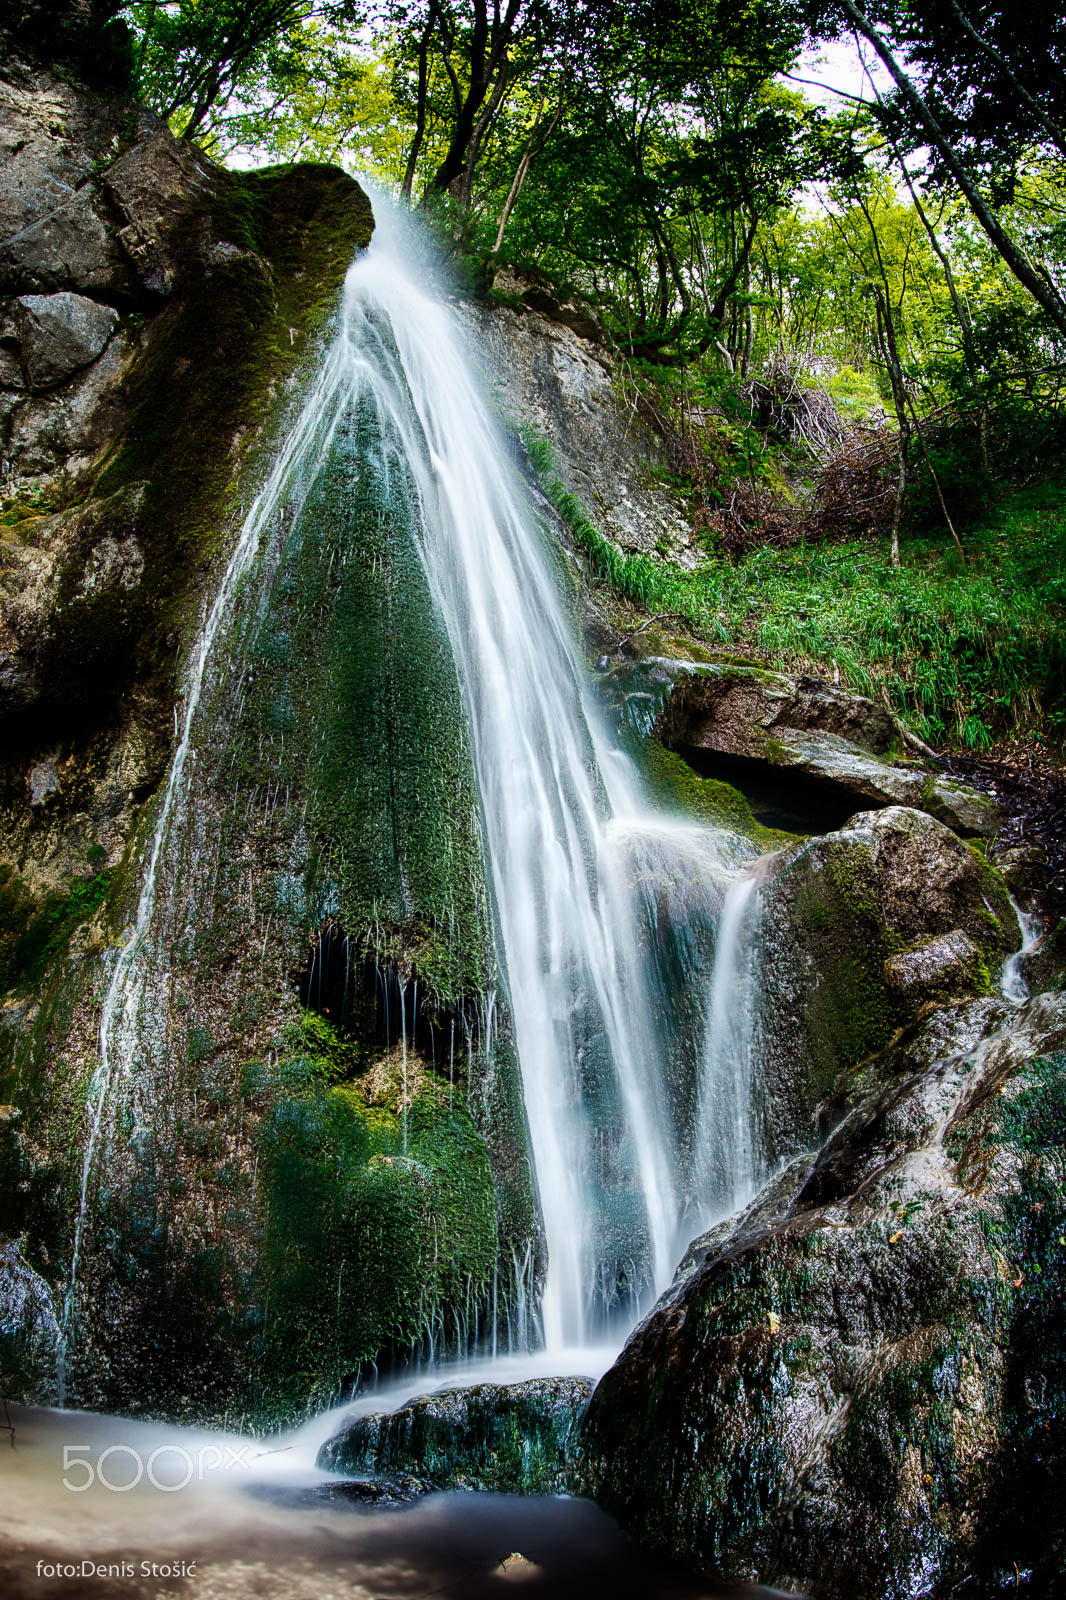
(948, 963)
(60, 333)
(847, 918)
(747, 725)
(354, 1492)
(508, 1438)
(927, 881)
(856, 1390)
(29, 1327)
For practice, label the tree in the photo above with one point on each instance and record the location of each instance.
(928, 130)
(194, 55)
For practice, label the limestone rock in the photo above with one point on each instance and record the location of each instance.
(56, 230)
(855, 1391)
(840, 914)
(548, 378)
(772, 726)
(507, 1438)
(59, 333)
(160, 189)
(948, 963)
(739, 710)
(68, 598)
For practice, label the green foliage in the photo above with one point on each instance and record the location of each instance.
(965, 654)
(194, 56)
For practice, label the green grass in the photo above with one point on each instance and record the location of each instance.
(966, 653)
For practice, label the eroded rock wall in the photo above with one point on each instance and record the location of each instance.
(306, 1084)
(562, 385)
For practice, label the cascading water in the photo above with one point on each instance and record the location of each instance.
(727, 1166)
(550, 783)
(581, 871)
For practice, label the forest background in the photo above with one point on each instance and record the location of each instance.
(843, 312)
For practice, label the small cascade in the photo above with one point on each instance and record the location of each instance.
(727, 1169)
(1012, 980)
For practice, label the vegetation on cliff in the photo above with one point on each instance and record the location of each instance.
(839, 304)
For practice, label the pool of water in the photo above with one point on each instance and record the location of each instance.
(97, 1506)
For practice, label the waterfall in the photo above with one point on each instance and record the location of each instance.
(576, 859)
(551, 783)
(124, 1038)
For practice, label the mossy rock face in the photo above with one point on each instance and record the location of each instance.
(856, 1390)
(322, 870)
(677, 788)
(847, 919)
(514, 1438)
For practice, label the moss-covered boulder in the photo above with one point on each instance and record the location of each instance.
(513, 1438)
(854, 924)
(857, 1389)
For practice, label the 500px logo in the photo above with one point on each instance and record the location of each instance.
(170, 1467)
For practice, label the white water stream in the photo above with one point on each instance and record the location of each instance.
(565, 831)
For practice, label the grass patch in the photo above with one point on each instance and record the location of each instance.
(966, 653)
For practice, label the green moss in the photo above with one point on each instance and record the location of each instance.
(850, 1013)
(380, 1223)
(34, 932)
(1003, 933)
(676, 787)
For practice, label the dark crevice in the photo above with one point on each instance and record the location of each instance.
(780, 797)
(373, 1002)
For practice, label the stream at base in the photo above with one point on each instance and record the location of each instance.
(247, 1524)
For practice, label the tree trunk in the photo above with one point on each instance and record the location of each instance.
(486, 53)
(886, 339)
(533, 148)
(420, 111)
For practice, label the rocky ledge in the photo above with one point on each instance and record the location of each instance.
(811, 752)
(858, 1387)
(153, 308)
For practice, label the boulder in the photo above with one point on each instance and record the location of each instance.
(857, 1389)
(60, 333)
(862, 927)
(507, 1438)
